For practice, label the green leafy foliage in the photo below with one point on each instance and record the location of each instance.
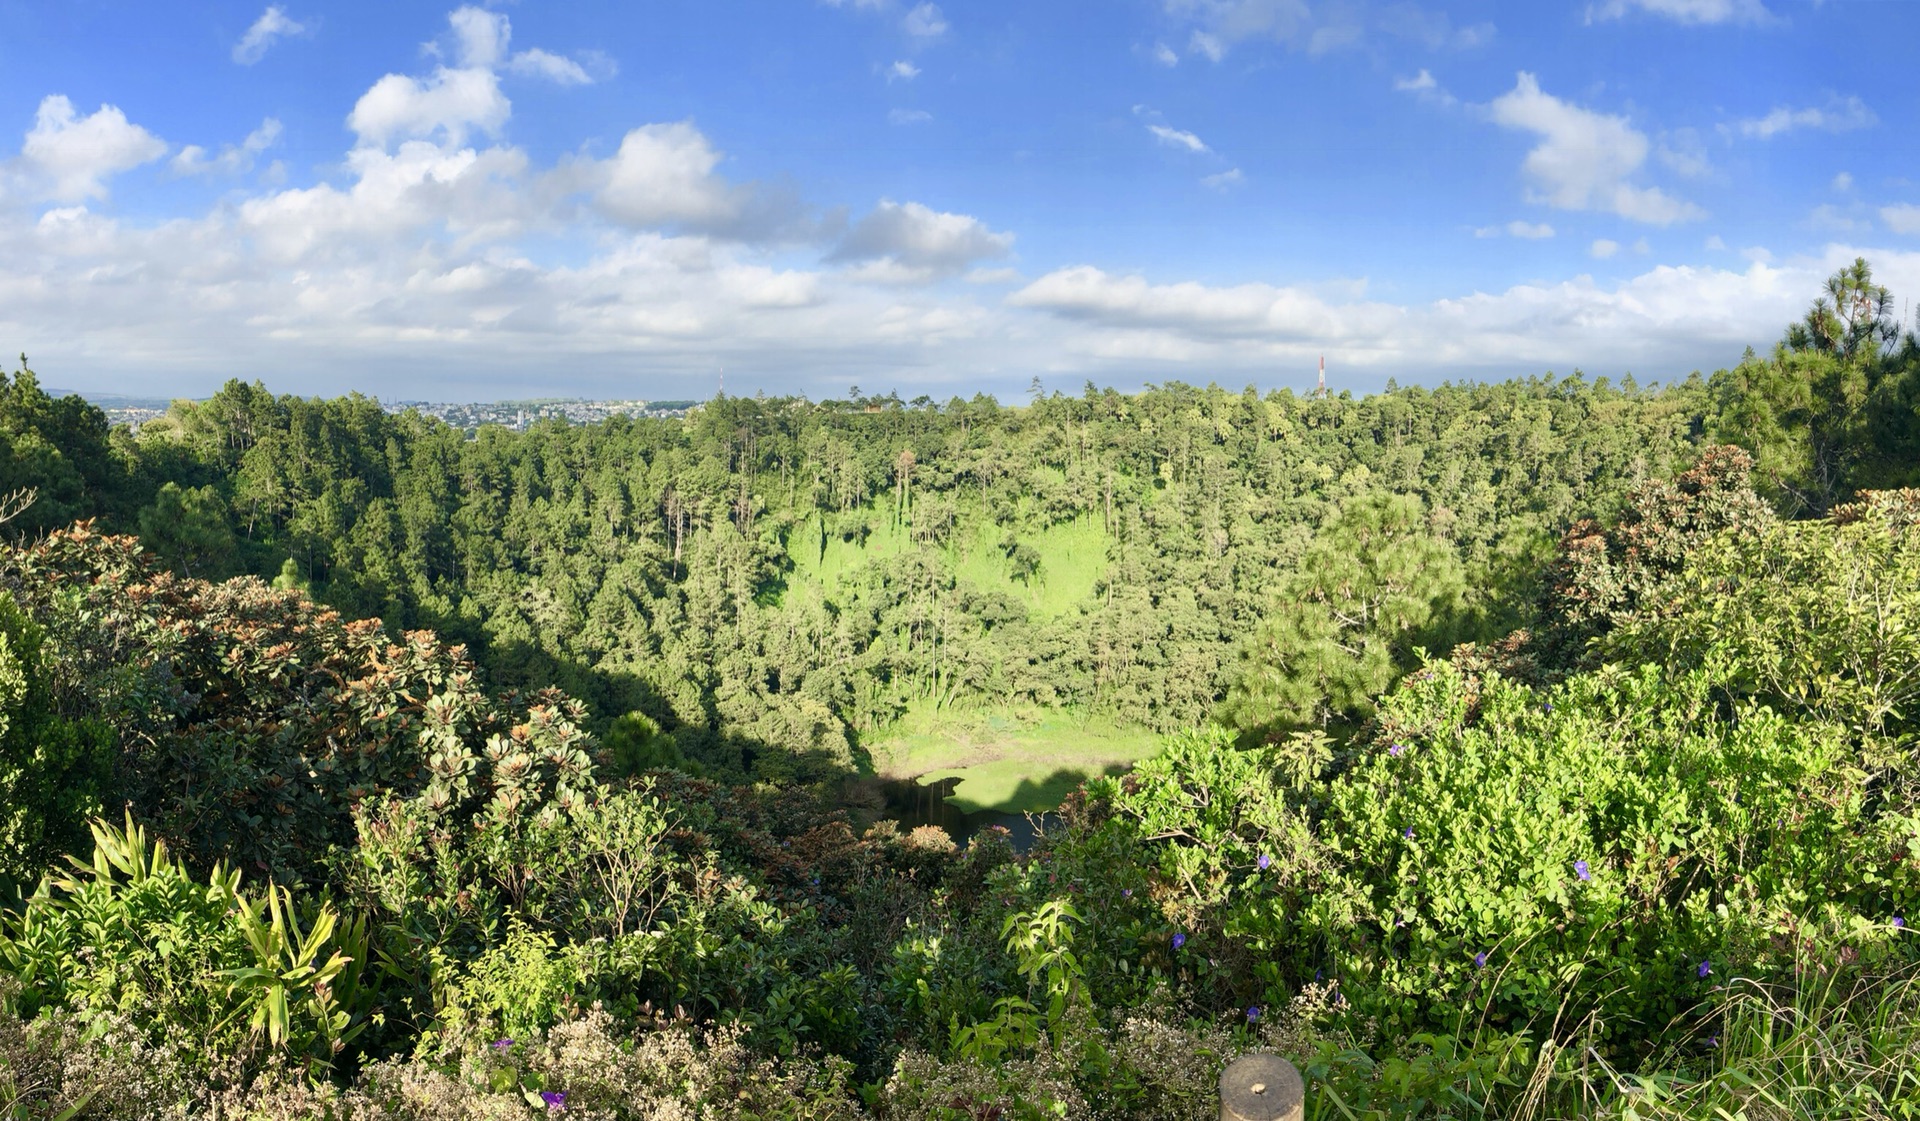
(54, 771)
(134, 934)
(1375, 584)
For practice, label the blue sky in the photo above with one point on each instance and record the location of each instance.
(425, 200)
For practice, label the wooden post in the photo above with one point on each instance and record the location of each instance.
(1262, 1088)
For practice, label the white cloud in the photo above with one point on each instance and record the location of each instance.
(448, 103)
(1903, 218)
(909, 242)
(1715, 244)
(1584, 159)
(1226, 180)
(1603, 248)
(1663, 323)
(908, 116)
(1839, 115)
(1642, 247)
(272, 26)
(902, 71)
(68, 157)
(1686, 11)
(456, 100)
(1177, 138)
(924, 21)
(477, 196)
(480, 37)
(663, 175)
(1842, 182)
(1089, 294)
(234, 159)
(555, 68)
(1165, 55)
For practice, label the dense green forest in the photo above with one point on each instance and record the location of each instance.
(785, 575)
(1537, 749)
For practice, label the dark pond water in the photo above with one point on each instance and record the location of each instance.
(913, 804)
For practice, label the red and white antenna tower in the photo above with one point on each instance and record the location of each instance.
(1322, 391)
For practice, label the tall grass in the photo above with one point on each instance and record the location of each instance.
(1828, 1045)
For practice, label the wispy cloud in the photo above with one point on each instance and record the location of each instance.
(902, 71)
(1526, 231)
(1903, 218)
(924, 21)
(1838, 115)
(273, 25)
(1215, 27)
(1425, 87)
(234, 159)
(1178, 138)
(1226, 180)
(1685, 11)
(555, 68)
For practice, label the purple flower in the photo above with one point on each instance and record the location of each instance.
(1407, 833)
(1899, 923)
(1179, 940)
(1253, 1013)
(1126, 892)
(1396, 749)
(502, 1044)
(1580, 870)
(1706, 967)
(554, 1099)
(1548, 707)
(1713, 1041)
(1480, 960)
(1265, 862)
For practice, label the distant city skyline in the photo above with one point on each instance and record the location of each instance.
(612, 201)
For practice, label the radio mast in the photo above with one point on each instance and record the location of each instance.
(1322, 390)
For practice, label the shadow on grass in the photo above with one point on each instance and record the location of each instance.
(913, 803)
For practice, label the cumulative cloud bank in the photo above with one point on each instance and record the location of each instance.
(440, 259)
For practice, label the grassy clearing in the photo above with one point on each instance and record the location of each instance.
(1012, 760)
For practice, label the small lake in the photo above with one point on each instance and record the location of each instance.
(913, 804)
